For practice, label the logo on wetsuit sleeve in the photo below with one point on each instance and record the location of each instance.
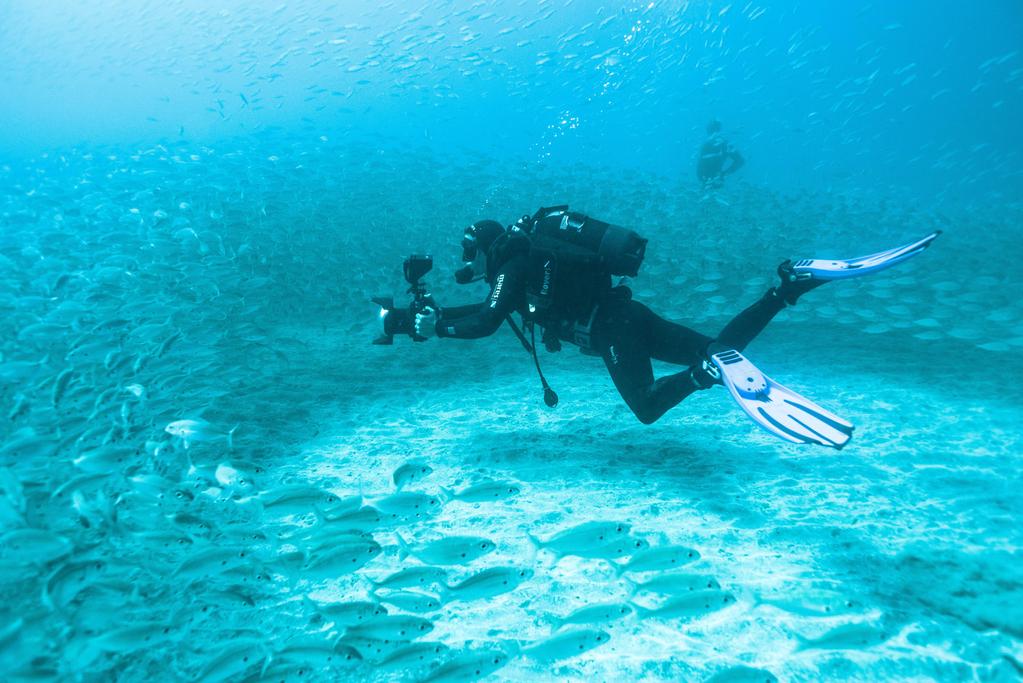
(497, 290)
(546, 288)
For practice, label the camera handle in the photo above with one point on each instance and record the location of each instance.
(421, 300)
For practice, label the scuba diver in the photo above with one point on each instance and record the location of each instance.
(714, 154)
(555, 270)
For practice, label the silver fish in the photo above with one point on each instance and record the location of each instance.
(581, 538)
(483, 492)
(407, 505)
(449, 550)
(813, 602)
(487, 583)
(392, 627)
(595, 614)
(409, 472)
(194, 431)
(659, 558)
(469, 665)
(295, 499)
(234, 658)
(413, 656)
(566, 645)
(853, 636)
(675, 583)
(345, 614)
(319, 652)
(691, 605)
(412, 601)
(33, 547)
(413, 577)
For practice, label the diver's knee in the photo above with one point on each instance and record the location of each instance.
(644, 412)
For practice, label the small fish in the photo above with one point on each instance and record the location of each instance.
(318, 651)
(469, 665)
(692, 605)
(483, 492)
(33, 547)
(211, 561)
(9, 635)
(854, 636)
(407, 506)
(61, 385)
(295, 499)
(659, 558)
(487, 583)
(675, 583)
(135, 637)
(595, 614)
(619, 547)
(344, 614)
(374, 649)
(167, 345)
(193, 524)
(194, 431)
(813, 602)
(392, 627)
(233, 597)
(12, 495)
(82, 481)
(26, 445)
(61, 587)
(326, 537)
(413, 577)
(565, 645)
(421, 654)
(411, 471)
(581, 538)
(89, 353)
(281, 671)
(366, 518)
(106, 458)
(233, 658)
(447, 551)
(330, 562)
(412, 601)
(166, 539)
(22, 406)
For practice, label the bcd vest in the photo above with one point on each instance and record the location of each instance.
(572, 259)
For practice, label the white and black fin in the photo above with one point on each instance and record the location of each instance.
(839, 269)
(780, 411)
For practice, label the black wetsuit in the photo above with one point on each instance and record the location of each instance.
(626, 334)
(715, 152)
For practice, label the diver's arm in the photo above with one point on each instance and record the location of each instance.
(482, 320)
(735, 161)
(453, 313)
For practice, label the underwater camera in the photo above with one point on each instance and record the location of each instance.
(402, 321)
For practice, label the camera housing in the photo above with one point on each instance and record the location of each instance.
(402, 320)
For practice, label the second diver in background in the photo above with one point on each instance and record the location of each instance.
(717, 158)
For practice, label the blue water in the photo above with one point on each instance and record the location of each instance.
(201, 454)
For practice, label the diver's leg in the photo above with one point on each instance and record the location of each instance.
(742, 329)
(671, 342)
(625, 349)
